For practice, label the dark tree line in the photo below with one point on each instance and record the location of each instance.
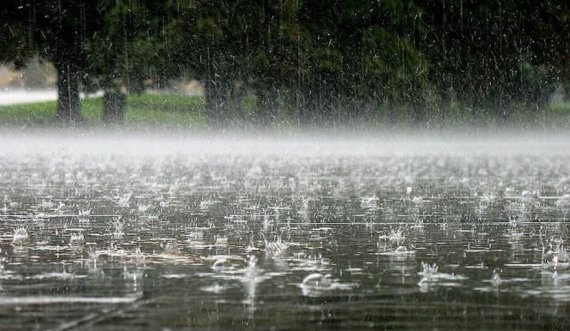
(496, 53)
(308, 61)
(56, 33)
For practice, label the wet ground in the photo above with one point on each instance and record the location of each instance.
(133, 234)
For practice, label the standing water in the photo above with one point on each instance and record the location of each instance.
(131, 233)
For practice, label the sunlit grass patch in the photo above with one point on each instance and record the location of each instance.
(170, 102)
(166, 110)
(40, 113)
(181, 111)
(560, 109)
(559, 114)
(142, 110)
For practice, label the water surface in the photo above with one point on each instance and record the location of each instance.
(127, 233)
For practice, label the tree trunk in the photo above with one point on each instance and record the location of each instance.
(216, 102)
(309, 108)
(68, 107)
(114, 104)
(267, 107)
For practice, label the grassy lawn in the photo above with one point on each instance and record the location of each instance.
(146, 110)
(178, 111)
(166, 110)
(560, 114)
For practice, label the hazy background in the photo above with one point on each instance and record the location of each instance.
(418, 64)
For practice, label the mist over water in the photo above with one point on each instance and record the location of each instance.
(311, 143)
(294, 231)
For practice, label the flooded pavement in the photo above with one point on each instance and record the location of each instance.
(255, 234)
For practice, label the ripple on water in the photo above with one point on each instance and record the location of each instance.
(224, 240)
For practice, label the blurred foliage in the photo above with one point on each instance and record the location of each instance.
(128, 52)
(294, 61)
(334, 60)
(57, 31)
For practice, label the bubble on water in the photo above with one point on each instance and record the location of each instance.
(317, 284)
(222, 264)
(317, 280)
(403, 250)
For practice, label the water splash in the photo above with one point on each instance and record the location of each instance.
(275, 248)
(20, 235)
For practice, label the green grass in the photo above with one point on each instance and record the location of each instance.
(166, 110)
(143, 110)
(560, 109)
(558, 114)
(177, 111)
(34, 114)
